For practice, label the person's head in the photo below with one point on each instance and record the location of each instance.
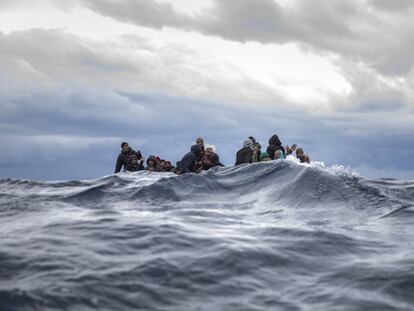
(299, 153)
(151, 160)
(264, 156)
(278, 154)
(275, 141)
(253, 139)
(200, 141)
(124, 146)
(209, 149)
(196, 149)
(163, 162)
(248, 143)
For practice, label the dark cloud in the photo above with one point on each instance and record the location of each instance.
(353, 29)
(66, 103)
(378, 33)
(398, 5)
(146, 13)
(59, 146)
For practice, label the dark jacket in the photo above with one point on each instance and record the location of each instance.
(209, 161)
(154, 168)
(130, 160)
(188, 162)
(244, 155)
(177, 169)
(275, 144)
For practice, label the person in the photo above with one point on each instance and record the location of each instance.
(130, 159)
(152, 164)
(167, 167)
(245, 155)
(289, 150)
(177, 169)
(304, 158)
(189, 160)
(279, 155)
(275, 144)
(264, 156)
(200, 142)
(209, 158)
(256, 150)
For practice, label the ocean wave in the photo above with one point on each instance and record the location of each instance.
(277, 235)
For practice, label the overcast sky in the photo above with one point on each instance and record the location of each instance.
(78, 77)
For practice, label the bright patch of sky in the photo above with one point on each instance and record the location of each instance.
(190, 6)
(284, 68)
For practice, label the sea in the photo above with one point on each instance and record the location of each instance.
(276, 235)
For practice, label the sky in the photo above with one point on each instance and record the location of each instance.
(78, 77)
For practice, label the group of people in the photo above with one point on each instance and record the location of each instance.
(133, 161)
(251, 151)
(203, 157)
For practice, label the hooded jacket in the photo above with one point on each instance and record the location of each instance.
(245, 155)
(130, 160)
(156, 167)
(188, 162)
(274, 144)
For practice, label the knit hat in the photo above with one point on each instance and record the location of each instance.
(212, 147)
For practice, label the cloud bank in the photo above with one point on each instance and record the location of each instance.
(333, 76)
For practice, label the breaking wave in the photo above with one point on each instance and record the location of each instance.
(274, 235)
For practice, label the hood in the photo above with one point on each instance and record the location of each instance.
(247, 143)
(196, 149)
(274, 140)
(151, 157)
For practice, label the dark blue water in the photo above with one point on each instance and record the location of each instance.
(267, 236)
